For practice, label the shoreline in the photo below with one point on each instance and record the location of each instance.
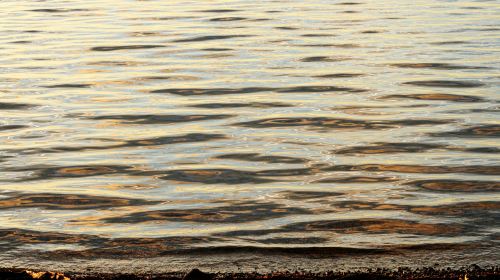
(428, 273)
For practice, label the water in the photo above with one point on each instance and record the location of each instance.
(254, 133)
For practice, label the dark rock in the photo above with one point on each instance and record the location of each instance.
(197, 274)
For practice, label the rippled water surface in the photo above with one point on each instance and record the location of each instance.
(161, 129)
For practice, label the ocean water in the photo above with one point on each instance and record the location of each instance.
(242, 135)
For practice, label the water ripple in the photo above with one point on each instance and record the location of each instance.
(139, 133)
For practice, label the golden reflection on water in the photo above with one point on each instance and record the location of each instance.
(285, 124)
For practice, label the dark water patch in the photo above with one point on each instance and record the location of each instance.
(288, 172)
(307, 195)
(446, 84)
(144, 34)
(323, 45)
(317, 35)
(485, 212)
(260, 19)
(340, 75)
(485, 150)
(128, 47)
(358, 179)
(139, 247)
(481, 131)
(215, 55)
(260, 158)
(379, 107)
(372, 31)
(331, 123)
(228, 19)
(145, 142)
(219, 11)
(389, 148)
(15, 106)
(173, 77)
(81, 171)
(285, 250)
(167, 18)
(212, 91)
(14, 238)
(223, 91)
(160, 119)
(99, 246)
(379, 226)
(11, 127)
(450, 43)
(473, 8)
(436, 96)
(346, 46)
(478, 110)
(487, 29)
(291, 240)
(352, 205)
(217, 49)
(242, 105)
(186, 138)
(75, 171)
(68, 86)
(319, 89)
(128, 186)
(59, 10)
(237, 212)
(362, 226)
(440, 66)
(286, 28)
(330, 45)
(115, 63)
(52, 201)
(324, 59)
(230, 176)
(4, 158)
(349, 3)
(215, 176)
(210, 38)
(457, 185)
(422, 169)
(155, 78)
(21, 42)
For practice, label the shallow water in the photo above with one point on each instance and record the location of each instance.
(169, 129)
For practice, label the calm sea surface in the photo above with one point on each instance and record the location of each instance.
(259, 132)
